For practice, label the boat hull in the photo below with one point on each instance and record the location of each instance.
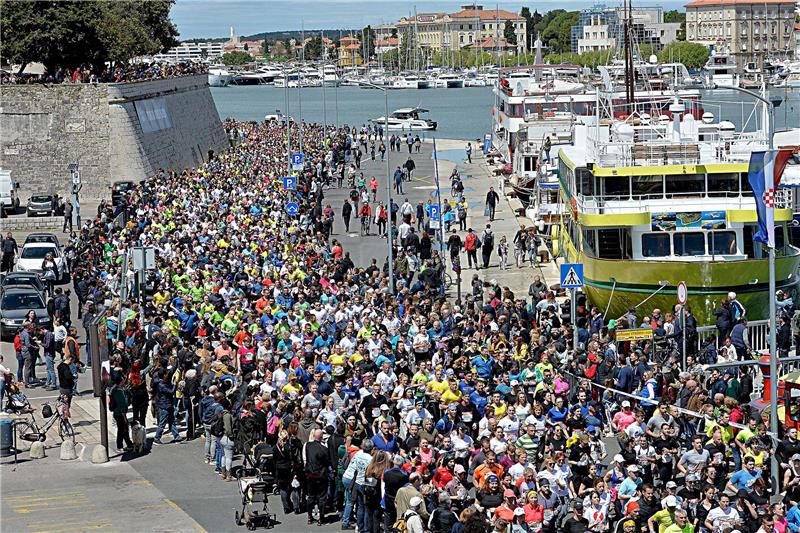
(219, 80)
(707, 282)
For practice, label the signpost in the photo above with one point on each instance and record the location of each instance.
(572, 279)
(297, 161)
(683, 297)
(98, 344)
(292, 208)
(289, 183)
(433, 214)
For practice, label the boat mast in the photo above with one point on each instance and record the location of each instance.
(628, 51)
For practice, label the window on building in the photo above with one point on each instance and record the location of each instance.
(689, 244)
(722, 243)
(655, 245)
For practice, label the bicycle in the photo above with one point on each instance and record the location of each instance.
(364, 226)
(29, 430)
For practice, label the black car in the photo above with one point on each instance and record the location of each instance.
(15, 303)
(118, 190)
(22, 279)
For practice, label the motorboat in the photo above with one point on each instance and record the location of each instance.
(329, 76)
(411, 81)
(218, 76)
(721, 70)
(406, 119)
(451, 80)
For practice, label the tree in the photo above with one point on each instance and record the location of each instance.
(236, 58)
(314, 48)
(368, 35)
(71, 34)
(279, 49)
(556, 29)
(692, 55)
(265, 47)
(508, 33)
(676, 16)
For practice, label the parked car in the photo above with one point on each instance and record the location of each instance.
(42, 237)
(15, 303)
(33, 253)
(40, 205)
(119, 188)
(23, 279)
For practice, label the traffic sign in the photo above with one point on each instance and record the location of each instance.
(76, 177)
(297, 159)
(683, 293)
(292, 208)
(289, 183)
(572, 275)
(433, 212)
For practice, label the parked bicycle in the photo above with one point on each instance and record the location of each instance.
(29, 430)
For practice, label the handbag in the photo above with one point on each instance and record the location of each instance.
(50, 275)
(486, 211)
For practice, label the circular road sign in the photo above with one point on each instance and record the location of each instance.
(683, 293)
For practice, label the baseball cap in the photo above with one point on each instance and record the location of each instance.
(619, 459)
(695, 477)
(384, 407)
(672, 485)
(631, 507)
(508, 493)
(492, 478)
(459, 469)
(416, 501)
(626, 403)
(514, 382)
(519, 511)
(671, 501)
(633, 468)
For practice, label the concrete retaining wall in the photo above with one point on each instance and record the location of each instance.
(31, 223)
(118, 131)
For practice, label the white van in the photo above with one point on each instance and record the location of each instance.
(8, 190)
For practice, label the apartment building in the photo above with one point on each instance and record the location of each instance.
(750, 31)
(601, 28)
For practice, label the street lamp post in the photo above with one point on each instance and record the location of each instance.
(773, 356)
(388, 181)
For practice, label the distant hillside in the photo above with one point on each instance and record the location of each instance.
(280, 35)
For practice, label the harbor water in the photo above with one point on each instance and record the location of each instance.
(460, 113)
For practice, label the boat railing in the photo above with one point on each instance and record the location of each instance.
(599, 204)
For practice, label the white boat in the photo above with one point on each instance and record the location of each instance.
(721, 70)
(411, 81)
(406, 119)
(329, 76)
(219, 77)
(451, 80)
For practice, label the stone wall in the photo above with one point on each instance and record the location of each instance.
(118, 131)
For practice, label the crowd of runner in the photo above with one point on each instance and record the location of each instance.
(397, 408)
(118, 74)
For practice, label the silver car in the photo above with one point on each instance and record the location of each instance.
(40, 205)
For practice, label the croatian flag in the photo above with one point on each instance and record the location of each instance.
(764, 175)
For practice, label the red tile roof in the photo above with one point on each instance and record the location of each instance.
(703, 3)
(391, 41)
(486, 14)
(349, 38)
(489, 42)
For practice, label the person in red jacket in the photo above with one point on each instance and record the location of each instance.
(471, 247)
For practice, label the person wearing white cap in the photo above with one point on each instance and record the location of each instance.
(627, 489)
(665, 517)
(623, 418)
(412, 518)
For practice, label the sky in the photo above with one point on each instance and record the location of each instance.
(213, 18)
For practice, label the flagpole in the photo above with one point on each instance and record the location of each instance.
(773, 355)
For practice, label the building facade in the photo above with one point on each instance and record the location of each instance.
(601, 28)
(438, 32)
(350, 51)
(750, 31)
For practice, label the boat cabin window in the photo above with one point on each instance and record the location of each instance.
(614, 243)
(585, 180)
(721, 243)
(655, 245)
(744, 185)
(528, 163)
(615, 187)
(723, 184)
(685, 184)
(689, 244)
(649, 186)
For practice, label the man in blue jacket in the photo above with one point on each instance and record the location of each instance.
(165, 405)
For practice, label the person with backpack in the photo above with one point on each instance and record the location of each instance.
(165, 407)
(286, 457)
(487, 240)
(411, 521)
(118, 405)
(222, 430)
(442, 518)
(208, 411)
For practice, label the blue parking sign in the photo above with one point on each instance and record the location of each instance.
(297, 159)
(433, 212)
(289, 183)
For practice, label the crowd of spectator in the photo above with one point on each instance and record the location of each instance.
(130, 72)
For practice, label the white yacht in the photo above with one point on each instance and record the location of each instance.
(411, 81)
(721, 70)
(218, 76)
(329, 76)
(406, 119)
(451, 80)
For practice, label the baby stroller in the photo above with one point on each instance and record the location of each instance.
(16, 401)
(255, 495)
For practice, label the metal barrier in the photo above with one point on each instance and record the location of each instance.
(757, 332)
